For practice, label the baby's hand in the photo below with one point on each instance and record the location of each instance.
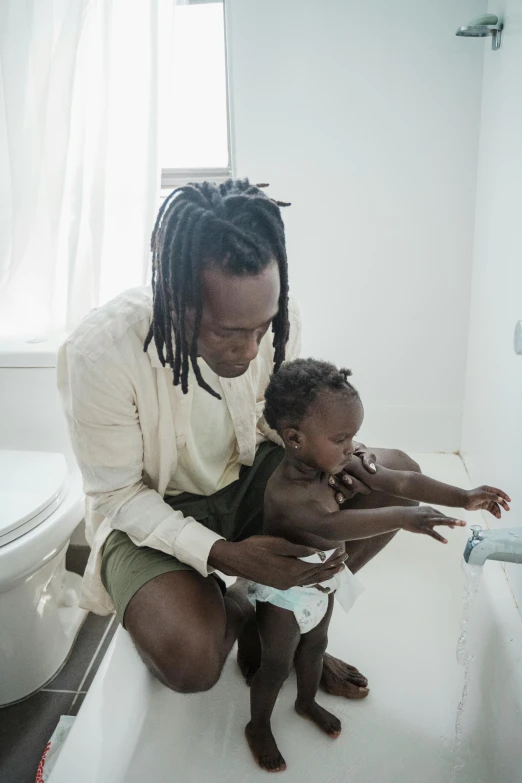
(422, 519)
(487, 498)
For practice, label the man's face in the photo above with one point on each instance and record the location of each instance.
(237, 312)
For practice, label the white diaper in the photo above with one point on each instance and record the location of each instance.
(309, 604)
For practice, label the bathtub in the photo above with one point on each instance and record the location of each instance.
(402, 634)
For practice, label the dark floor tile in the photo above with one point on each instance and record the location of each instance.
(25, 730)
(75, 706)
(76, 558)
(72, 673)
(99, 658)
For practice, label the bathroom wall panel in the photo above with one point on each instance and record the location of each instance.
(365, 116)
(492, 428)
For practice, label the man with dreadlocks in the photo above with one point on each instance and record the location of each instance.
(164, 397)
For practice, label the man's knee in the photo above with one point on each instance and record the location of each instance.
(399, 460)
(190, 665)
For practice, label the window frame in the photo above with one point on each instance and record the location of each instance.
(177, 177)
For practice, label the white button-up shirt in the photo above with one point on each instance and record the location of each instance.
(128, 423)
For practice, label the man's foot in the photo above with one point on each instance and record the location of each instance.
(321, 717)
(341, 679)
(264, 749)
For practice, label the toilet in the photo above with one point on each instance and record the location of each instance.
(41, 507)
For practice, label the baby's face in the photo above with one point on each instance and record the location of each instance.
(329, 429)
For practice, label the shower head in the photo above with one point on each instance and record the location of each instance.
(482, 27)
(475, 31)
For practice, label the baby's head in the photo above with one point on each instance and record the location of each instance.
(316, 411)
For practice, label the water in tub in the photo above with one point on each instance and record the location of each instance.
(472, 577)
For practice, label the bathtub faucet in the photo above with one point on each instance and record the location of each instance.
(504, 544)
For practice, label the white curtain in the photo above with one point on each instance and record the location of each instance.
(80, 84)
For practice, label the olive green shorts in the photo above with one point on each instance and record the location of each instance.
(235, 512)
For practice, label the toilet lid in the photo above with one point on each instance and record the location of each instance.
(32, 486)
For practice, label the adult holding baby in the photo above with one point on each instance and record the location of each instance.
(164, 397)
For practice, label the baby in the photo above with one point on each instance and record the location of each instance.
(318, 413)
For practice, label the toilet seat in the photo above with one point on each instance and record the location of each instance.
(32, 486)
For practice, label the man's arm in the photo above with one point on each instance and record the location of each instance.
(105, 431)
(107, 440)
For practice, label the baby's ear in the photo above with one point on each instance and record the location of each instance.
(292, 438)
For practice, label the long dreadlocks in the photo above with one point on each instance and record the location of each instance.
(239, 227)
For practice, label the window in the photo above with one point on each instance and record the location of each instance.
(194, 142)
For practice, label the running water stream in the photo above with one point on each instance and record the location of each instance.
(472, 577)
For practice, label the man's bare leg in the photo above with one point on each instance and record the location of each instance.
(184, 629)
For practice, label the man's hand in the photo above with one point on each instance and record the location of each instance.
(367, 458)
(487, 498)
(422, 519)
(273, 561)
(346, 486)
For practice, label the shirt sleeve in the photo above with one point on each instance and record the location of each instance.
(293, 351)
(104, 426)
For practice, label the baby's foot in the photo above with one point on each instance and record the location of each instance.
(321, 717)
(264, 748)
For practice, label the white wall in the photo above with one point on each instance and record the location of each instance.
(492, 431)
(365, 116)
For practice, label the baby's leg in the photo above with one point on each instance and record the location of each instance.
(279, 634)
(309, 668)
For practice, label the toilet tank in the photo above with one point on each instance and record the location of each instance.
(31, 416)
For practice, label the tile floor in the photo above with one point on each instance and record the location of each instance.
(25, 728)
